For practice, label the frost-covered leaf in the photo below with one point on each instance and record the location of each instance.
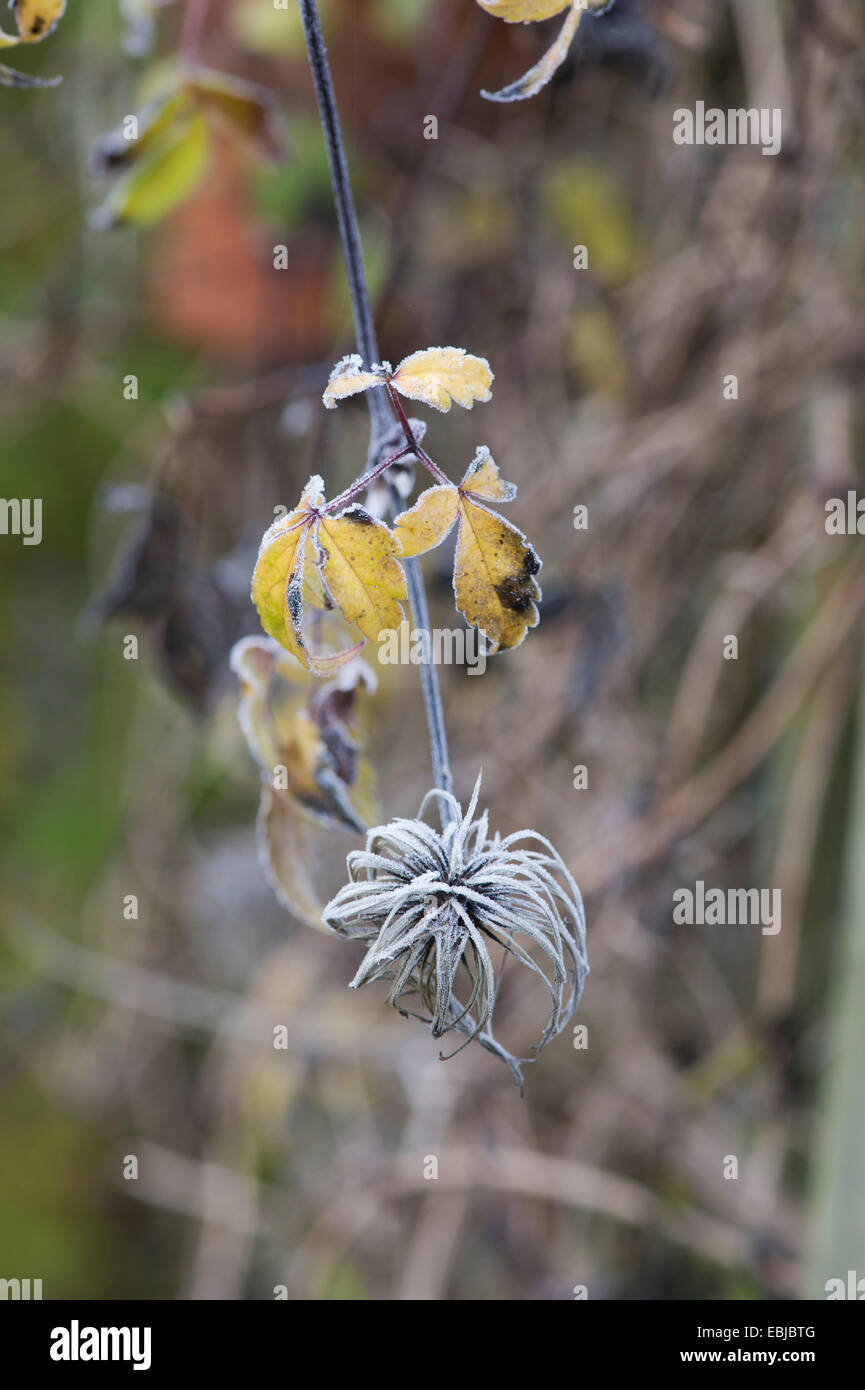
(494, 576)
(304, 740)
(427, 523)
(155, 184)
(278, 581)
(494, 565)
(283, 850)
(314, 592)
(118, 149)
(10, 77)
(537, 77)
(34, 20)
(482, 479)
(439, 376)
(302, 728)
(347, 561)
(348, 378)
(523, 11)
(163, 151)
(360, 570)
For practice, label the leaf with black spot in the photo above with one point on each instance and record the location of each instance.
(34, 20)
(495, 567)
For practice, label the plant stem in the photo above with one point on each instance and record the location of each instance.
(413, 444)
(435, 717)
(363, 484)
(380, 413)
(346, 212)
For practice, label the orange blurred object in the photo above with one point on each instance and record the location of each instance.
(214, 285)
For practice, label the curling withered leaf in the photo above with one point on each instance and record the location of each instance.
(247, 109)
(436, 376)
(312, 764)
(324, 556)
(34, 20)
(494, 565)
(527, 12)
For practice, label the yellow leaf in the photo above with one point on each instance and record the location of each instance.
(284, 851)
(523, 11)
(156, 184)
(312, 767)
(34, 20)
(494, 576)
(439, 376)
(302, 729)
(347, 379)
(482, 479)
(313, 589)
(154, 122)
(360, 570)
(278, 578)
(263, 669)
(426, 524)
(348, 561)
(537, 77)
(494, 565)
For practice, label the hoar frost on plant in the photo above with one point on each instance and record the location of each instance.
(429, 902)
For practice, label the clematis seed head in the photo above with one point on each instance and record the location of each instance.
(433, 906)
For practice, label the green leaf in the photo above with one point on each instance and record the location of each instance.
(158, 119)
(155, 186)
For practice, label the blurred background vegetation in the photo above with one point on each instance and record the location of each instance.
(152, 1037)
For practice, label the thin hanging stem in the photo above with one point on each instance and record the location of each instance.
(346, 212)
(381, 418)
(435, 715)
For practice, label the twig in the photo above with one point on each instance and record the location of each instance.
(746, 588)
(518, 1172)
(694, 801)
(182, 1004)
(794, 862)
